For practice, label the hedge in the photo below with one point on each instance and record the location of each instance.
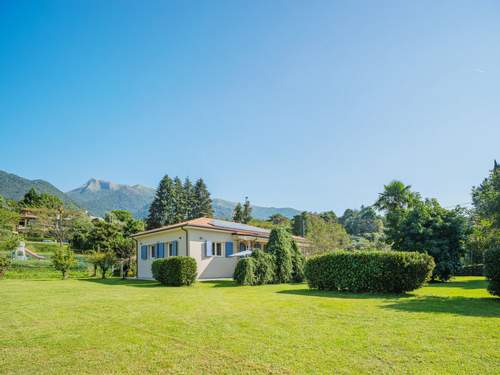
(175, 271)
(492, 270)
(244, 274)
(369, 271)
(471, 270)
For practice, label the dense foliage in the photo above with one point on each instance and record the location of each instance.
(175, 271)
(280, 247)
(369, 271)
(63, 259)
(4, 265)
(264, 267)
(423, 225)
(492, 269)
(175, 202)
(242, 213)
(321, 230)
(244, 273)
(298, 263)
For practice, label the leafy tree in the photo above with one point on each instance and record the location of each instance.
(5, 263)
(329, 217)
(80, 232)
(298, 263)
(62, 259)
(486, 197)
(280, 246)
(425, 226)
(202, 201)
(238, 213)
(279, 219)
(247, 211)
(35, 200)
(8, 221)
(103, 260)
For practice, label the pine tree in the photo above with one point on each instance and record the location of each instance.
(247, 211)
(189, 199)
(202, 201)
(238, 213)
(161, 211)
(298, 263)
(280, 246)
(179, 202)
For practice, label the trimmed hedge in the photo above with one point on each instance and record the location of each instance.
(472, 270)
(369, 271)
(175, 271)
(492, 270)
(244, 274)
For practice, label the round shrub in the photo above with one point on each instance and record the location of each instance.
(264, 267)
(175, 271)
(369, 271)
(244, 274)
(492, 269)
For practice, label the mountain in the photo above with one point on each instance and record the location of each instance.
(14, 187)
(99, 197)
(224, 209)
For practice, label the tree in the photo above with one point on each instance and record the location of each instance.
(162, 210)
(179, 202)
(34, 200)
(62, 259)
(280, 246)
(189, 199)
(202, 201)
(486, 197)
(425, 226)
(247, 212)
(103, 260)
(8, 221)
(279, 219)
(238, 213)
(298, 263)
(80, 232)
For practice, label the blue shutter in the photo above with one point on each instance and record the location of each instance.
(144, 252)
(208, 248)
(229, 248)
(161, 250)
(174, 248)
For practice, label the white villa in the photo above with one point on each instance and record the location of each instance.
(211, 242)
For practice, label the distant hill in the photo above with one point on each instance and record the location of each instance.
(99, 197)
(14, 187)
(224, 209)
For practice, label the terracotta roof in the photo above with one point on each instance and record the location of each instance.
(216, 224)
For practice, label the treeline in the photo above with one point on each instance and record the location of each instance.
(176, 201)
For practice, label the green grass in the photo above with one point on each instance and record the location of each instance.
(114, 326)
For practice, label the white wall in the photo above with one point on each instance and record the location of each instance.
(211, 267)
(144, 266)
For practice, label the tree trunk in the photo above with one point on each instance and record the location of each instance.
(65, 274)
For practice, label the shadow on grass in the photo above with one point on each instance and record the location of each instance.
(467, 284)
(344, 295)
(127, 282)
(482, 307)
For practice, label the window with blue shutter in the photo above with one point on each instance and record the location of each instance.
(161, 250)
(174, 248)
(144, 252)
(229, 248)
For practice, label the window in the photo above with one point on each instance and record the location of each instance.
(217, 249)
(153, 251)
(257, 246)
(170, 249)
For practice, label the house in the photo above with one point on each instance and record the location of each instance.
(211, 242)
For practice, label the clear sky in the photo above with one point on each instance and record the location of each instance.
(308, 104)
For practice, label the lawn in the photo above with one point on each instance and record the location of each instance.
(114, 326)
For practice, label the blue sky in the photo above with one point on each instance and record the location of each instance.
(308, 104)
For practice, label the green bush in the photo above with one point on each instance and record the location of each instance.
(492, 269)
(4, 265)
(280, 246)
(298, 262)
(471, 270)
(244, 274)
(175, 271)
(369, 271)
(264, 267)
